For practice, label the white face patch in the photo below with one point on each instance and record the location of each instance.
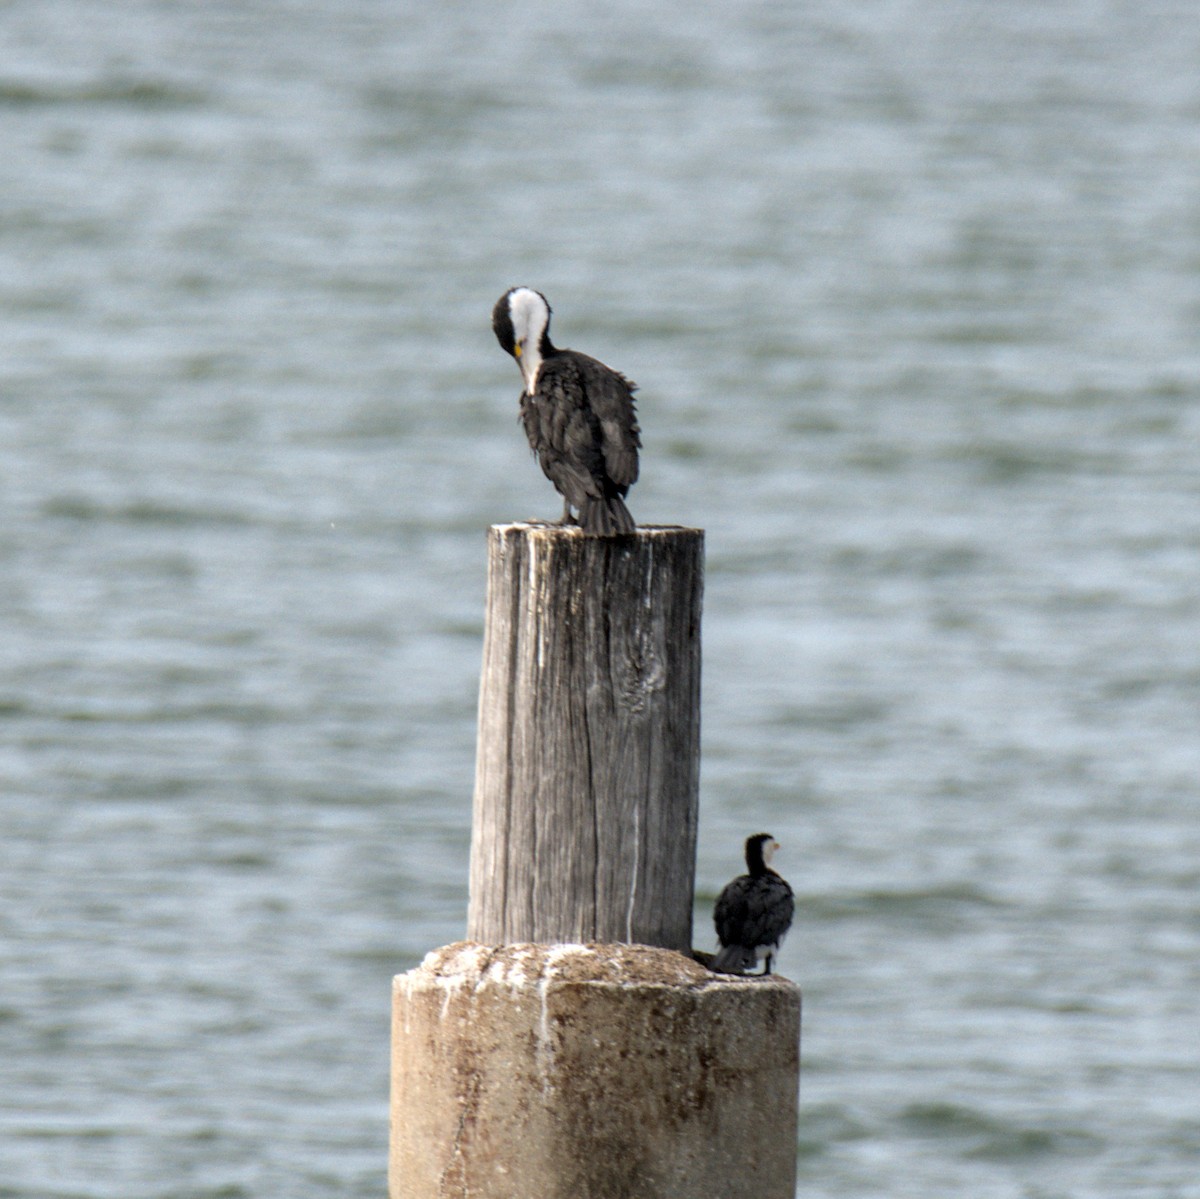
(530, 319)
(529, 312)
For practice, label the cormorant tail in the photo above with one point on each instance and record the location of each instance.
(606, 515)
(732, 959)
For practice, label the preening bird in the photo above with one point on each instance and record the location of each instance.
(754, 912)
(578, 415)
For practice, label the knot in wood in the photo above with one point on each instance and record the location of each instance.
(643, 676)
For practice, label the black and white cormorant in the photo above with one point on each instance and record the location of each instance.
(753, 912)
(578, 415)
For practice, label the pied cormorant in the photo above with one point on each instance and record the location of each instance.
(753, 912)
(578, 415)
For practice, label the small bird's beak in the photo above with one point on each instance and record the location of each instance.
(517, 351)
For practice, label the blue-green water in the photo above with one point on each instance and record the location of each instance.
(913, 295)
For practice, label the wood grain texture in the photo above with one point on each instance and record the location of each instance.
(587, 769)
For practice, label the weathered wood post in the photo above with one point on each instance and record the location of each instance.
(588, 766)
(570, 1049)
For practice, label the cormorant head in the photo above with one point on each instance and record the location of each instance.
(760, 849)
(521, 321)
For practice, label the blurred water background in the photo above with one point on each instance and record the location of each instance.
(912, 291)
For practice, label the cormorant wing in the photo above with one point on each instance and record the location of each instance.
(564, 431)
(731, 908)
(610, 396)
(754, 911)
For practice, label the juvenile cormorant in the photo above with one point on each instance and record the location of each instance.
(753, 912)
(578, 415)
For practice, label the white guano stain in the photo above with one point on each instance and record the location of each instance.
(637, 847)
(545, 1045)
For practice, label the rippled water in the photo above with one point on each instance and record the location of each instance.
(913, 296)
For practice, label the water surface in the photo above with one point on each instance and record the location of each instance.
(912, 295)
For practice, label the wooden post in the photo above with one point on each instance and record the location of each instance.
(587, 775)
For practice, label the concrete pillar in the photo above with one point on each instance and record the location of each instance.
(591, 1072)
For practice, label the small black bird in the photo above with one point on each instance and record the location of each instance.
(578, 415)
(753, 912)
